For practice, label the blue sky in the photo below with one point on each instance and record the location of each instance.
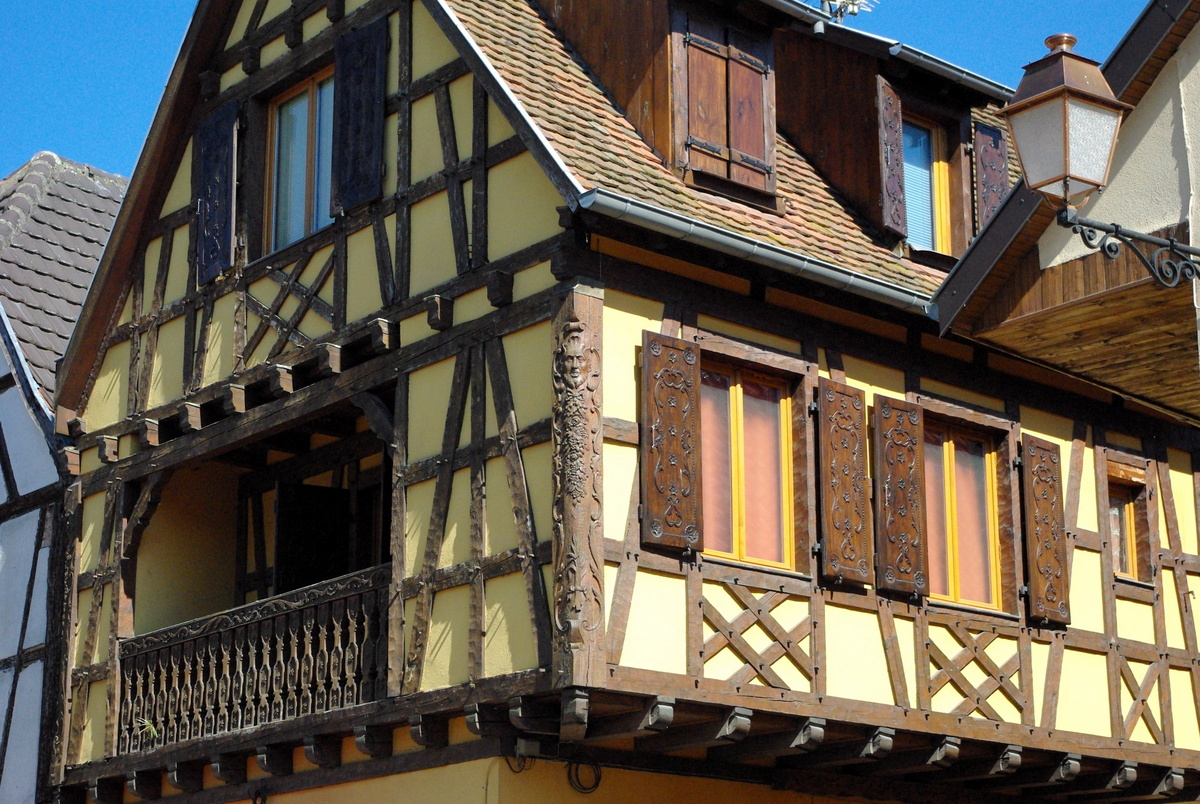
(83, 78)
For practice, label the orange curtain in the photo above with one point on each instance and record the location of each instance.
(716, 461)
(936, 536)
(971, 504)
(763, 470)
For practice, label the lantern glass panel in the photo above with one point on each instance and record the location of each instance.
(1092, 131)
(1038, 133)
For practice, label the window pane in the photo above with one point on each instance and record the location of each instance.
(291, 169)
(324, 155)
(918, 185)
(971, 509)
(936, 537)
(716, 461)
(763, 441)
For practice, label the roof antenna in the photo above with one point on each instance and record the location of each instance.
(839, 9)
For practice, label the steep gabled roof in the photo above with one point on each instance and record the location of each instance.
(55, 218)
(995, 254)
(604, 165)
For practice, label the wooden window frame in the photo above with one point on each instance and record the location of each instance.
(786, 386)
(310, 86)
(1130, 475)
(767, 198)
(1005, 436)
(951, 429)
(942, 208)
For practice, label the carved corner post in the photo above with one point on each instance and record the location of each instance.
(577, 432)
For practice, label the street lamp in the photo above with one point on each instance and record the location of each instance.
(1064, 121)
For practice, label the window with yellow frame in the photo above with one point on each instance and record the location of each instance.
(1128, 528)
(926, 185)
(961, 510)
(300, 160)
(746, 460)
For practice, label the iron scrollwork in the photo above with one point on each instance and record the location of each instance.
(1170, 263)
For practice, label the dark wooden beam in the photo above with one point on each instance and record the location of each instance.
(656, 715)
(489, 720)
(805, 736)
(146, 785)
(1008, 761)
(573, 715)
(186, 777)
(430, 731)
(1121, 777)
(1066, 770)
(229, 768)
(734, 725)
(274, 759)
(323, 750)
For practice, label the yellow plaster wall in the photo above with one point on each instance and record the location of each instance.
(425, 159)
(240, 22)
(655, 638)
(1087, 593)
(180, 194)
(873, 378)
(624, 318)
(462, 110)
(272, 50)
(456, 542)
(509, 644)
(150, 272)
(1174, 621)
(906, 639)
(1183, 491)
(93, 529)
(315, 23)
(219, 359)
(855, 661)
(431, 48)
(177, 270)
(419, 506)
(166, 367)
(961, 394)
(428, 401)
(431, 246)
(362, 275)
(1183, 707)
(1135, 621)
(1039, 655)
(500, 530)
(449, 628)
(92, 745)
(620, 473)
(538, 462)
(107, 403)
(528, 353)
(531, 280)
(186, 560)
(1083, 699)
(103, 629)
(522, 206)
(499, 128)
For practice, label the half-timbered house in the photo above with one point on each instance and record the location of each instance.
(485, 399)
(55, 216)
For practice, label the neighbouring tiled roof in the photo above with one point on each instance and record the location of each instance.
(55, 216)
(601, 149)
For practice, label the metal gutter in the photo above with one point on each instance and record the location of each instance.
(688, 230)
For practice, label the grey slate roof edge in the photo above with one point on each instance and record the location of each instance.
(22, 193)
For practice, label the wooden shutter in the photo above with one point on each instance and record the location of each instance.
(991, 172)
(670, 444)
(891, 160)
(900, 552)
(1045, 532)
(751, 122)
(214, 170)
(312, 535)
(708, 95)
(845, 508)
(359, 86)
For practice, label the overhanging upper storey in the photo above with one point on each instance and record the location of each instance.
(1030, 287)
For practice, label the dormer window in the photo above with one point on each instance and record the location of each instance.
(927, 186)
(725, 106)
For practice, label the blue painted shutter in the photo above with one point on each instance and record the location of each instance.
(360, 76)
(214, 166)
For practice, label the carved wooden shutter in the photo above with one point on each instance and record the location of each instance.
(214, 165)
(991, 172)
(670, 444)
(359, 86)
(749, 107)
(1045, 532)
(900, 552)
(845, 508)
(891, 160)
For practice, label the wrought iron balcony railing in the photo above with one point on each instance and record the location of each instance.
(309, 651)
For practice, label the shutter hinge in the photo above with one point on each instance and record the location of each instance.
(755, 163)
(690, 38)
(1023, 591)
(813, 408)
(750, 61)
(1017, 462)
(716, 150)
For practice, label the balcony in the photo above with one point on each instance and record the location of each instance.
(312, 650)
